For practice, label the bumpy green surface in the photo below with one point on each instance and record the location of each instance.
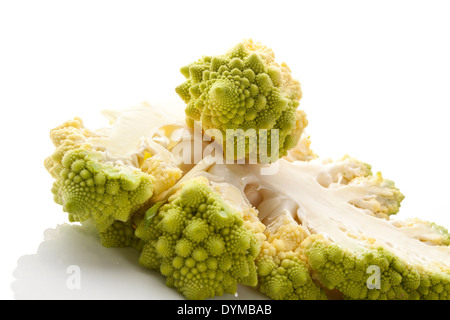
(348, 271)
(282, 270)
(119, 235)
(88, 188)
(199, 243)
(287, 279)
(243, 89)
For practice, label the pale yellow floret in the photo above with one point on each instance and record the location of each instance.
(166, 175)
(302, 151)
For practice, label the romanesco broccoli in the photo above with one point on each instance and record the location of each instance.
(284, 273)
(199, 243)
(120, 234)
(106, 175)
(245, 89)
(317, 229)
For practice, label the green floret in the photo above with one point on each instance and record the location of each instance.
(245, 89)
(110, 174)
(118, 235)
(88, 188)
(283, 273)
(374, 273)
(199, 243)
(287, 279)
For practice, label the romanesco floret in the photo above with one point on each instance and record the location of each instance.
(283, 272)
(120, 234)
(245, 89)
(98, 174)
(199, 243)
(302, 151)
(166, 175)
(349, 272)
(88, 187)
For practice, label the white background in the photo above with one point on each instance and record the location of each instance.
(375, 77)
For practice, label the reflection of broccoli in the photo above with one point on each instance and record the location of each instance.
(244, 89)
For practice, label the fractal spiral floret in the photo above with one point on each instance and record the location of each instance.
(245, 89)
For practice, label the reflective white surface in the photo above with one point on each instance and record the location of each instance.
(71, 264)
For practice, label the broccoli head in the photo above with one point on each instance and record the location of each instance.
(283, 272)
(108, 174)
(199, 242)
(245, 89)
(120, 234)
